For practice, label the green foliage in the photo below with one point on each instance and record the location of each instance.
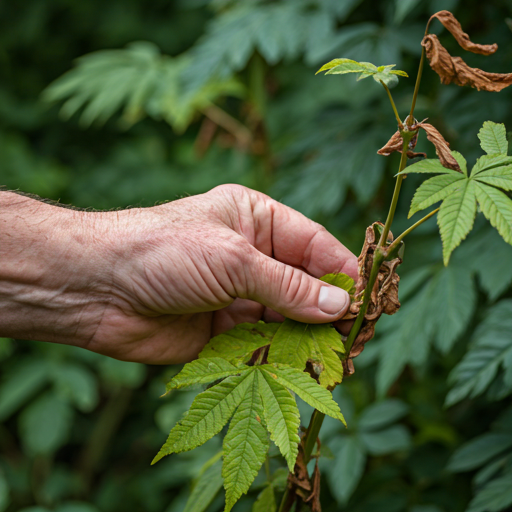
(460, 194)
(206, 488)
(365, 69)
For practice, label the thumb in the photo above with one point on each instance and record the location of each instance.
(293, 293)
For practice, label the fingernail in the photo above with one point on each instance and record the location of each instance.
(332, 300)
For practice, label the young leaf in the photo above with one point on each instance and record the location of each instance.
(456, 217)
(493, 138)
(245, 445)
(497, 208)
(341, 281)
(238, 344)
(209, 412)
(281, 416)
(433, 190)
(203, 371)
(306, 387)
(266, 501)
(296, 343)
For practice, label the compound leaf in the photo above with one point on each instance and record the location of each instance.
(306, 387)
(456, 217)
(203, 371)
(238, 344)
(245, 445)
(281, 416)
(493, 138)
(296, 343)
(209, 412)
(433, 190)
(429, 166)
(492, 347)
(497, 208)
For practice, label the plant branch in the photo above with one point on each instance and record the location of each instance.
(230, 124)
(399, 238)
(400, 125)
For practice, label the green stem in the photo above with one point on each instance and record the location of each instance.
(392, 104)
(315, 424)
(399, 238)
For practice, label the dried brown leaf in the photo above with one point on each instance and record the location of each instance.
(395, 143)
(454, 69)
(383, 298)
(441, 145)
(451, 23)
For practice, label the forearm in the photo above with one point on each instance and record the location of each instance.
(53, 279)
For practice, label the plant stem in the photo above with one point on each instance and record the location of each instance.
(399, 238)
(410, 119)
(400, 125)
(311, 435)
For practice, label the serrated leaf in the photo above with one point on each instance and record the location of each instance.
(205, 489)
(456, 217)
(493, 138)
(306, 388)
(340, 62)
(238, 344)
(204, 371)
(296, 343)
(478, 451)
(245, 445)
(281, 416)
(266, 501)
(489, 162)
(207, 415)
(433, 190)
(497, 208)
(341, 281)
(429, 166)
(500, 177)
(491, 348)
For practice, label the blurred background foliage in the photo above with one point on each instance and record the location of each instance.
(176, 97)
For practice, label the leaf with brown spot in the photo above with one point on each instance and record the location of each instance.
(454, 69)
(442, 147)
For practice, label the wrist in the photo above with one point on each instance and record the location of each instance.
(54, 271)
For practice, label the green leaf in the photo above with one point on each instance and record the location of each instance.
(45, 425)
(495, 496)
(296, 343)
(491, 348)
(381, 414)
(209, 412)
(238, 344)
(343, 66)
(383, 442)
(493, 138)
(77, 384)
(347, 468)
(203, 371)
(245, 445)
(429, 166)
(341, 281)
(489, 162)
(456, 217)
(205, 489)
(500, 177)
(433, 190)
(478, 451)
(306, 387)
(497, 208)
(281, 416)
(266, 501)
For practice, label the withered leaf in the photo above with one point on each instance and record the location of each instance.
(383, 298)
(396, 142)
(442, 147)
(451, 24)
(454, 69)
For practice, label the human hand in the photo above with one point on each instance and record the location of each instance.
(159, 282)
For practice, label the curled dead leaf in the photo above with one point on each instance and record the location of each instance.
(396, 142)
(454, 69)
(383, 298)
